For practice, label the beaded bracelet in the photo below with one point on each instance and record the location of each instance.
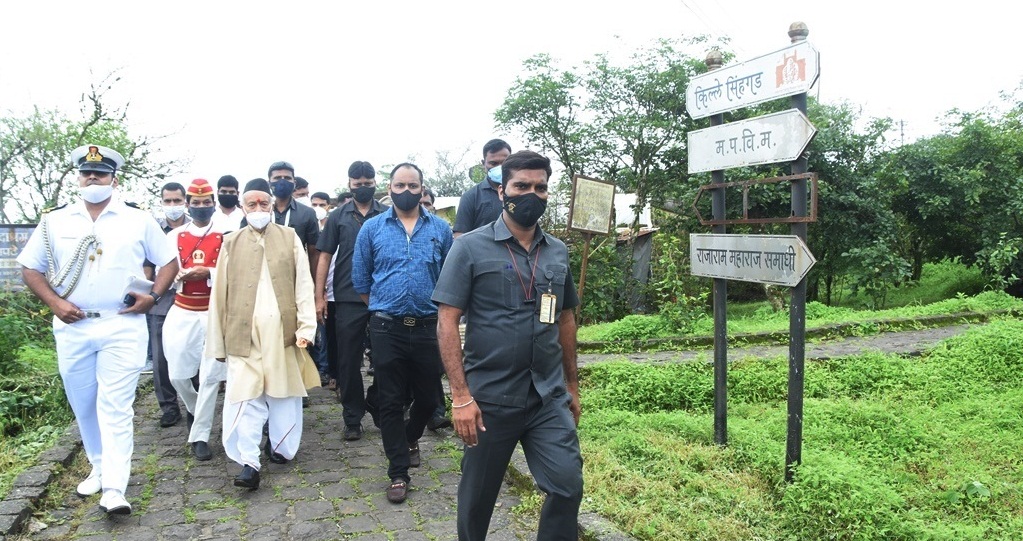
(471, 400)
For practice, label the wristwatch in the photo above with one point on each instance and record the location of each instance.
(156, 298)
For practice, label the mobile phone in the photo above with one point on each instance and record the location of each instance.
(129, 300)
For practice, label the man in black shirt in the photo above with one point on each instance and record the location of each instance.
(288, 212)
(480, 204)
(350, 313)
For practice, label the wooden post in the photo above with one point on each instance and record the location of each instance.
(582, 269)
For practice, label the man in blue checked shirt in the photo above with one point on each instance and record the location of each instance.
(398, 257)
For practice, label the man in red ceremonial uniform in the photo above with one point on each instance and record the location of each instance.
(184, 332)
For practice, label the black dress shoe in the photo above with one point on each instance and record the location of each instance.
(248, 478)
(170, 418)
(438, 422)
(353, 432)
(189, 418)
(415, 459)
(201, 450)
(274, 456)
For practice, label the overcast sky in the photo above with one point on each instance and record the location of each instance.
(238, 85)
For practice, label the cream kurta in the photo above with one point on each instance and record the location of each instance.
(271, 368)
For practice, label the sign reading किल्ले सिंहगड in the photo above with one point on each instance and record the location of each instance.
(785, 72)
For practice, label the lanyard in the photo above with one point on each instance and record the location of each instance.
(192, 251)
(532, 277)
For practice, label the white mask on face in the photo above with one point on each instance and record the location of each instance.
(173, 213)
(321, 213)
(258, 219)
(305, 201)
(97, 193)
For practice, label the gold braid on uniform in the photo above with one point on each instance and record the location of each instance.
(76, 265)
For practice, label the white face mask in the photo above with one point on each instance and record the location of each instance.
(258, 219)
(321, 213)
(305, 201)
(97, 193)
(173, 213)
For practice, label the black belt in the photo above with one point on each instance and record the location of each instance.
(407, 321)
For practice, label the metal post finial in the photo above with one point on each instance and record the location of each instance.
(714, 59)
(798, 31)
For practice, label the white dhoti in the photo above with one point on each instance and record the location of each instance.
(184, 341)
(243, 428)
(99, 360)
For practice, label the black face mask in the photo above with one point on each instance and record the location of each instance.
(525, 209)
(201, 214)
(228, 200)
(283, 188)
(363, 194)
(406, 200)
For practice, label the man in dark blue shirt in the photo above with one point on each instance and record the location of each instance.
(480, 204)
(518, 382)
(398, 257)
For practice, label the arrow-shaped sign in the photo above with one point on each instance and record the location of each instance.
(777, 137)
(785, 72)
(766, 259)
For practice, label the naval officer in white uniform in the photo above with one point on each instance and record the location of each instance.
(79, 261)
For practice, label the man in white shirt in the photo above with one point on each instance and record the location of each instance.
(79, 261)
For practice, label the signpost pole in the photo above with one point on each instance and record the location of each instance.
(714, 61)
(797, 306)
(582, 268)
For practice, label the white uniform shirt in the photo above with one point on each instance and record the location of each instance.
(225, 223)
(126, 238)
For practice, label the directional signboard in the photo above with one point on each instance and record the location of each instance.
(777, 137)
(785, 72)
(767, 259)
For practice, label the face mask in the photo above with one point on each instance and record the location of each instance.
(304, 201)
(258, 219)
(228, 200)
(363, 194)
(283, 188)
(525, 209)
(494, 174)
(321, 213)
(201, 214)
(173, 213)
(97, 193)
(406, 200)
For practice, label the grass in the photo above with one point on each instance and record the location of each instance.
(763, 319)
(893, 448)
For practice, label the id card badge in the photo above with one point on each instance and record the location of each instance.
(548, 303)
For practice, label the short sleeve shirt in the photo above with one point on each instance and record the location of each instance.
(491, 277)
(126, 237)
(478, 206)
(338, 238)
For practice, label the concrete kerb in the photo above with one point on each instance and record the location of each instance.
(31, 485)
(841, 329)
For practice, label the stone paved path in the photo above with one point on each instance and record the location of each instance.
(334, 489)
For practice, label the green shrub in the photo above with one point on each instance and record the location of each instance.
(643, 389)
(834, 497)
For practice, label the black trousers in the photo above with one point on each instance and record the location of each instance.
(350, 319)
(330, 340)
(548, 436)
(166, 396)
(404, 358)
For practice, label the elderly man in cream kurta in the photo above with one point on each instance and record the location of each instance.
(262, 316)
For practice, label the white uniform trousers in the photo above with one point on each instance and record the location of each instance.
(99, 360)
(243, 427)
(184, 341)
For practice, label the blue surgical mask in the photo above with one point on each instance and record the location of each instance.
(494, 174)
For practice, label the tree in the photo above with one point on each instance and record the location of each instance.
(451, 177)
(34, 170)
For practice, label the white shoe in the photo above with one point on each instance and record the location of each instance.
(113, 503)
(91, 485)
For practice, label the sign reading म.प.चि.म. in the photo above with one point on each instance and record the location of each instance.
(766, 259)
(777, 137)
(785, 72)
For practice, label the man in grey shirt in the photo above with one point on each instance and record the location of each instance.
(480, 204)
(518, 382)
